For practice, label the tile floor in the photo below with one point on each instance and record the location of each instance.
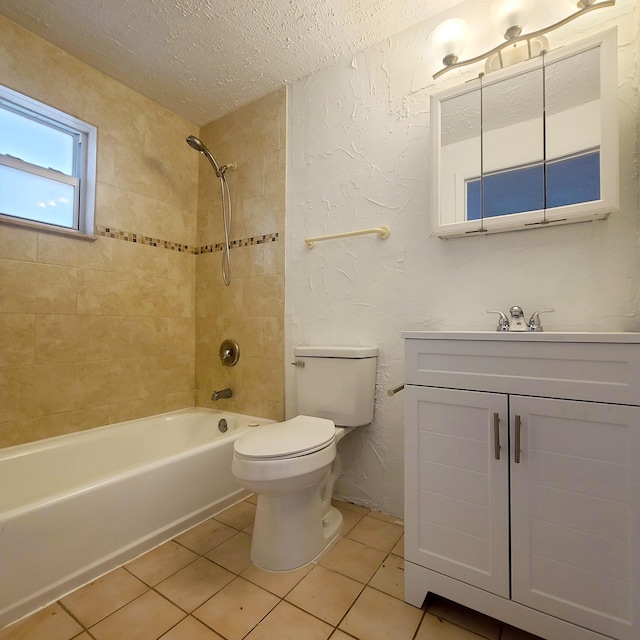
(202, 586)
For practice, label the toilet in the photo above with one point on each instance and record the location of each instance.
(293, 465)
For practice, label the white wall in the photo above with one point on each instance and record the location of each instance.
(359, 156)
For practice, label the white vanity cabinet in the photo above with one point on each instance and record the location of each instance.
(522, 478)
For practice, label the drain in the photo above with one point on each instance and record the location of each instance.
(222, 425)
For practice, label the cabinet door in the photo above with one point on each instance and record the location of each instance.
(575, 512)
(456, 491)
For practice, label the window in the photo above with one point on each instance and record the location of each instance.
(47, 165)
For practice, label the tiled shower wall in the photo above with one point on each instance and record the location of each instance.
(98, 331)
(251, 309)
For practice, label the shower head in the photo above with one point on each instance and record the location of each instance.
(198, 145)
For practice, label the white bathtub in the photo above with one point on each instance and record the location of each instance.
(76, 506)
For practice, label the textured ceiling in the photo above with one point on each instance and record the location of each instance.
(205, 58)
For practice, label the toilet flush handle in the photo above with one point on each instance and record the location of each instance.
(298, 363)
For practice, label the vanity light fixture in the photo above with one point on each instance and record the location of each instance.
(510, 17)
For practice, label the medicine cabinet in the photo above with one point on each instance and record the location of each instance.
(532, 145)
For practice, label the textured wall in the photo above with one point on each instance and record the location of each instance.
(359, 157)
(251, 309)
(93, 332)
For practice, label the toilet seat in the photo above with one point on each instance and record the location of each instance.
(299, 436)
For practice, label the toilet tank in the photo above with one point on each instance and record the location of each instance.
(337, 383)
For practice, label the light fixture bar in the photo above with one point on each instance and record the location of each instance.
(527, 36)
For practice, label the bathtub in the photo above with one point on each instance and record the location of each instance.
(75, 506)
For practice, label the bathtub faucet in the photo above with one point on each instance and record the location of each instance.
(222, 394)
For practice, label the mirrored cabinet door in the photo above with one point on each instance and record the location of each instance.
(574, 134)
(460, 158)
(513, 149)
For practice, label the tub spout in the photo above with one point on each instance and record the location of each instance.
(222, 394)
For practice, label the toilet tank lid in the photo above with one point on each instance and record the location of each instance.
(336, 352)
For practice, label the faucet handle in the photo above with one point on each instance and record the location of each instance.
(534, 323)
(503, 321)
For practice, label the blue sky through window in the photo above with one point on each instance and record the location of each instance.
(35, 142)
(26, 195)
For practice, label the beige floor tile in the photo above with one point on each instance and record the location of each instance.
(349, 505)
(205, 536)
(390, 577)
(353, 559)
(277, 582)
(325, 594)
(467, 618)
(160, 563)
(50, 623)
(286, 622)
(340, 635)
(350, 518)
(253, 499)
(191, 629)
(386, 518)
(398, 550)
(377, 616)
(234, 554)
(237, 609)
(511, 633)
(104, 596)
(196, 583)
(376, 533)
(146, 618)
(238, 516)
(433, 628)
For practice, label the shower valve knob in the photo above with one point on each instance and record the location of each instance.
(229, 353)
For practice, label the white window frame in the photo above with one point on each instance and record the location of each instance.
(83, 179)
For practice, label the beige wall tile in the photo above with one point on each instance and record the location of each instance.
(18, 243)
(74, 252)
(266, 295)
(36, 390)
(17, 331)
(27, 287)
(181, 265)
(120, 209)
(109, 382)
(140, 260)
(181, 335)
(139, 408)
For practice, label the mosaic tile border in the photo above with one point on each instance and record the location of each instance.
(128, 236)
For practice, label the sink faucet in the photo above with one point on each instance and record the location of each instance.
(222, 394)
(517, 322)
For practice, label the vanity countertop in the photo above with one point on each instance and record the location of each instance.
(528, 336)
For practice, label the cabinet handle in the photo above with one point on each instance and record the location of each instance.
(516, 457)
(496, 435)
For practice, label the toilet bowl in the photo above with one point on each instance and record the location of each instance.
(293, 465)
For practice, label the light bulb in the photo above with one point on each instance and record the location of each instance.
(510, 16)
(449, 39)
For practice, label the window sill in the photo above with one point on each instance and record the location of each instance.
(47, 228)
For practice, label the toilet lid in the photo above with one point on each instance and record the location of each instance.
(299, 436)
